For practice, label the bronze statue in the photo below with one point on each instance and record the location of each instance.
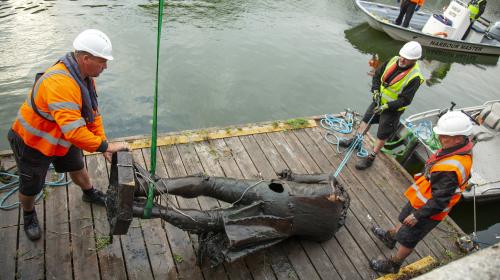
(261, 212)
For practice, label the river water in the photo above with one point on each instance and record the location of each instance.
(228, 62)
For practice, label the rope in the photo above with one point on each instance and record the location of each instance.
(10, 182)
(149, 203)
(358, 142)
(340, 125)
(474, 236)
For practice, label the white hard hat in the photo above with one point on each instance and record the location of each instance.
(94, 42)
(453, 123)
(411, 50)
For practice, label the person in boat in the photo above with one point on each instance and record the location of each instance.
(433, 194)
(261, 212)
(393, 87)
(476, 10)
(58, 120)
(406, 10)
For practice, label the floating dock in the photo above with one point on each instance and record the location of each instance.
(74, 243)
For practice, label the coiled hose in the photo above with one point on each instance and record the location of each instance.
(9, 183)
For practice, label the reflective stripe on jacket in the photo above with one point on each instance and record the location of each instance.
(474, 9)
(58, 99)
(391, 92)
(421, 191)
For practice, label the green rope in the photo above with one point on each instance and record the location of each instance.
(149, 202)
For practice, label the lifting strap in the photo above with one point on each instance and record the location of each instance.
(149, 202)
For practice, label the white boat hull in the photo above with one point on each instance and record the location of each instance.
(375, 13)
(403, 34)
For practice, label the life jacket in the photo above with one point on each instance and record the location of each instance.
(459, 161)
(50, 118)
(418, 2)
(390, 91)
(474, 7)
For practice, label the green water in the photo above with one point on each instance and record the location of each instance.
(226, 62)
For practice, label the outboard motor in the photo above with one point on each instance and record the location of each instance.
(492, 34)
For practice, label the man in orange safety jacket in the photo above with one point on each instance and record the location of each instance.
(58, 120)
(407, 8)
(433, 194)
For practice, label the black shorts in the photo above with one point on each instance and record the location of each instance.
(388, 121)
(32, 165)
(410, 236)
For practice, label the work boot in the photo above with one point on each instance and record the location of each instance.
(31, 226)
(365, 162)
(384, 236)
(385, 266)
(94, 196)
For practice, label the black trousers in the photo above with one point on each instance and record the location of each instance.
(406, 11)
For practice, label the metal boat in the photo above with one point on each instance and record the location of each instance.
(482, 39)
(420, 142)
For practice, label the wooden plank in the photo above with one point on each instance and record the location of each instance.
(362, 187)
(85, 265)
(303, 266)
(111, 262)
(374, 175)
(31, 254)
(157, 244)
(180, 242)
(237, 269)
(208, 272)
(353, 225)
(190, 136)
(280, 263)
(357, 192)
(9, 227)
(209, 159)
(259, 262)
(290, 144)
(57, 235)
(136, 255)
(387, 182)
(437, 240)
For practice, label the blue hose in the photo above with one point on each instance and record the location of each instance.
(13, 187)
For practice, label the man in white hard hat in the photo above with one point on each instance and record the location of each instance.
(393, 87)
(58, 120)
(434, 192)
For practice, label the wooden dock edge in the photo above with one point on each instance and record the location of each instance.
(197, 135)
(412, 270)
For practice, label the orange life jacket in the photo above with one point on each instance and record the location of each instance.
(418, 2)
(459, 161)
(390, 70)
(57, 97)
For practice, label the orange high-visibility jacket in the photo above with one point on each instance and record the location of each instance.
(58, 98)
(421, 191)
(418, 2)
